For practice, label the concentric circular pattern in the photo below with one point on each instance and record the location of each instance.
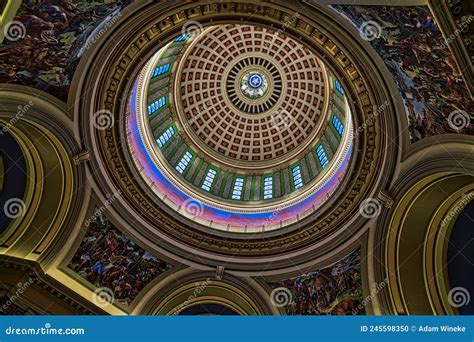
(217, 122)
(254, 85)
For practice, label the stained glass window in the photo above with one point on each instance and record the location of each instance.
(268, 187)
(165, 137)
(337, 125)
(157, 105)
(160, 70)
(238, 187)
(297, 179)
(323, 158)
(183, 163)
(211, 174)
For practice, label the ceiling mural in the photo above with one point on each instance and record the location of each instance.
(412, 47)
(47, 40)
(109, 260)
(332, 290)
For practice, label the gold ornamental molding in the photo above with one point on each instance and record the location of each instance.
(373, 156)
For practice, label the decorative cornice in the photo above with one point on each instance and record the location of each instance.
(35, 276)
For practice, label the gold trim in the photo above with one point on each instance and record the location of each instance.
(67, 186)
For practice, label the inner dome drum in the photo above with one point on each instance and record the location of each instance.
(239, 128)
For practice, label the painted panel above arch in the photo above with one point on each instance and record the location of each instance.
(46, 42)
(332, 290)
(112, 262)
(411, 45)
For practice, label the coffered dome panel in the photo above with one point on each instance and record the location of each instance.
(268, 122)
